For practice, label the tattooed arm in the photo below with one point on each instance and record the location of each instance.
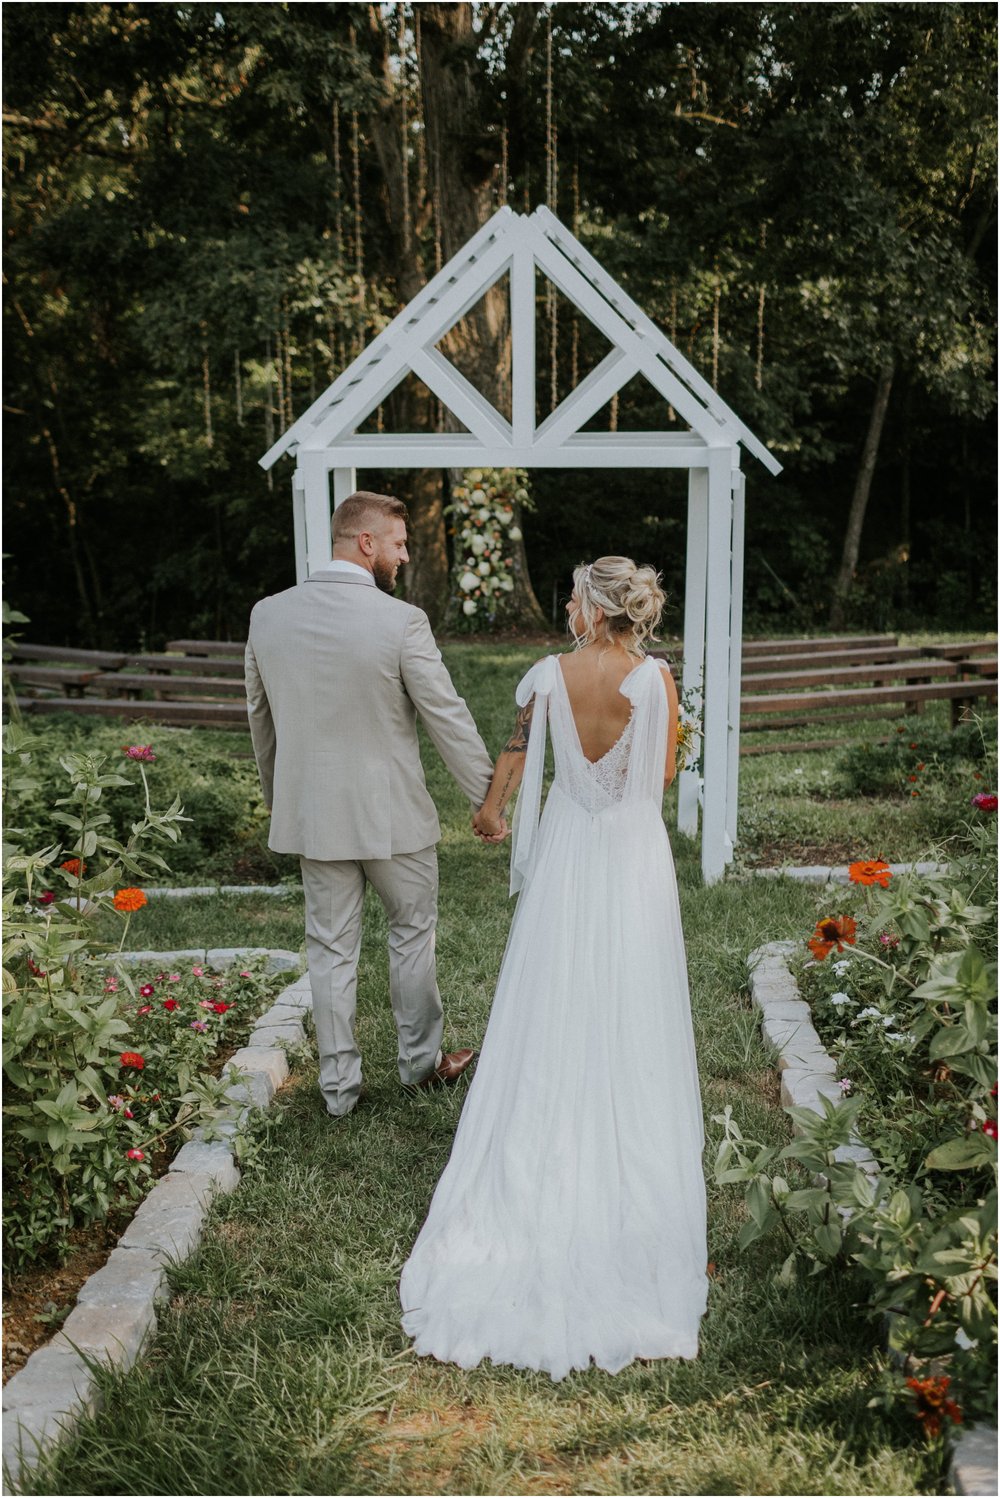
(489, 822)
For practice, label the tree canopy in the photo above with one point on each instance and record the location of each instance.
(211, 208)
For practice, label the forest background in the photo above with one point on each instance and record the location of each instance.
(212, 207)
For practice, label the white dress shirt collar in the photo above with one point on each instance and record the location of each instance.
(338, 565)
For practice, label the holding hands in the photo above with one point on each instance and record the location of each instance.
(488, 826)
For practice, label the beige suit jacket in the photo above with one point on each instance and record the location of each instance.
(336, 673)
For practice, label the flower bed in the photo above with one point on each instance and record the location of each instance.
(105, 1070)
(901, 984)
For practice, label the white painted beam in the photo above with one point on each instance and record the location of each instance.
(462, 450)
(614, 371)
(299, 526)
(720, 511)
(461, 396)
(316, 483)
(695, 584)
(522, 324)
(735, 659)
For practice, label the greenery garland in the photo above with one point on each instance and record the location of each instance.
(484, 513)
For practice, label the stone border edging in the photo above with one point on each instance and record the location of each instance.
(115, 1312)
(808, 1073)
(837, 873)
(279, 959)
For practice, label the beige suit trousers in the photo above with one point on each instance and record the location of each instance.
(407, 886)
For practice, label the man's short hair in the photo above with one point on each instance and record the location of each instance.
(363, 511)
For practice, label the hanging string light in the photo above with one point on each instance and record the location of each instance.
(574, 378)
(359, 259)
(671, 413)
(338, 204)
(716, 304)
(551, 197)
(758, 377)
(404, 170)
(238, 376)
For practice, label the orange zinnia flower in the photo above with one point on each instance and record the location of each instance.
(75, 867)
(870, 871)
(932, 1403)
(129, 900)
(835, 931)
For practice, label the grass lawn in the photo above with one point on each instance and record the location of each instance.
(280, 1367)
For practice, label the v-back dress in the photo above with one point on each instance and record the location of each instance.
(569, 1223)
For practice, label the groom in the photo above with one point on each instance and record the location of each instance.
(337, 671)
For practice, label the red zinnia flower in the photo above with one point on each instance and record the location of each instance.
(932, 1403)
(835, 931)
(990, 1128)
(35, 970)
(133, 1059)
(220, 1008)
(170, 1004)
(73, 866)
(911, 777)
(45, 898)
(134, 1155)
(870, 871)
(146, 990)
(129, 900)
(982, 801)
(138, 751)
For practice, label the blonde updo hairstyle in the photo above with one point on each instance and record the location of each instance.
(630, 596)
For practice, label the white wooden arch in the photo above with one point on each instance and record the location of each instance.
(325, 439)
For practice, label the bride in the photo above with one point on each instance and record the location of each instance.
(569, 1223)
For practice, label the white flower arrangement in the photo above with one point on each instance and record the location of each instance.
(483, 508)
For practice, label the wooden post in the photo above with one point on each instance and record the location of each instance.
(345, 481)
(694, 634)
(720, 519)
(735, 658)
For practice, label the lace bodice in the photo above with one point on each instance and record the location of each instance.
(630, 772)
(593, 784)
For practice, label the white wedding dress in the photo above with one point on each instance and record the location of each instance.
(569, 1223)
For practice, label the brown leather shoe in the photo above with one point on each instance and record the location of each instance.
(449, 1069)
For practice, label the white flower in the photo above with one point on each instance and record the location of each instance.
(515, 533)
(870, 1013)
(507, 583)
(478, 545)
(483, 512)
(962, 1339)
(841, 966)
(520, 495)
(476, 476)
(468, 581)
(840, 999)
(888, 1020)
(484, 569)
(469, 606)
(900, 1037)
(505, 517)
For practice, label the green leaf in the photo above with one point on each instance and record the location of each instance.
(962, 1154)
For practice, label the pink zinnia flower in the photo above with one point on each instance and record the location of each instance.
(845, 1084)
(116, 1101)
(174, 978)
(138, 751)
(199, 1025)
(111, 986)
(204, 1003)
(199, 972)
(244, 975)
(146, 991)
(144, 1009)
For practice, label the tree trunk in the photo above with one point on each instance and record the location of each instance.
(859, 499)
(462, 161)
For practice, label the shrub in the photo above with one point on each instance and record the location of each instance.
(97, 1077)
(903, 986)
(917, 748)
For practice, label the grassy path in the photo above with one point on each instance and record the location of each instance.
(280, 1366)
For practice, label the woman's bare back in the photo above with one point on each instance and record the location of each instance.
(600, 711)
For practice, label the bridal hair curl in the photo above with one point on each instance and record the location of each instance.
(630, 596)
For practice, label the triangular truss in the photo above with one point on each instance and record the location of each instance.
(519, 244)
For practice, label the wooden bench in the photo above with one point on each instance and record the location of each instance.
(862, 656)
(164, 687)
(198, 664)
(72, 681)
(228, 648)
(959, 694)
(962, 650)
(799, 646)
(819, 675)
(180, 714)
(101, 660)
